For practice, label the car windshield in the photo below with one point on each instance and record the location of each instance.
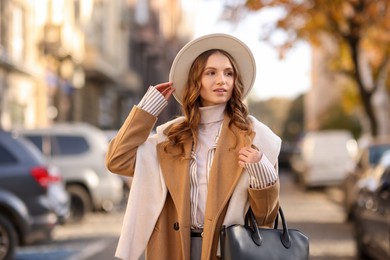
(70, 145)
(32, 149)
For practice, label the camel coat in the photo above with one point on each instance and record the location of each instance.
(158, 212)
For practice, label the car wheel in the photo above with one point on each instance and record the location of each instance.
(7, 238)
(80, 203)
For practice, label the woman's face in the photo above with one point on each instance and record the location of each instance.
(217, 80)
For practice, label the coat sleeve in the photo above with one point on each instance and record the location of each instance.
(265, 204)
(265, 201)
(122, 150)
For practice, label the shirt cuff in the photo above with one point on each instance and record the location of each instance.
(261, 174)
(153, 102)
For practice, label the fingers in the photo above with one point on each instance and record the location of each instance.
(163, 86)
(248, 155)
(165, 89)
(168, 93)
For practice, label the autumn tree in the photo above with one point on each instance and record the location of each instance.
(361, 29)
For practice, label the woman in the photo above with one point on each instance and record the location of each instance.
(199, 171)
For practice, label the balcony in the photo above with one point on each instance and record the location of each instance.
(52, 41)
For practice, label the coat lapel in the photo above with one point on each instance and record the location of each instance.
(176, 176)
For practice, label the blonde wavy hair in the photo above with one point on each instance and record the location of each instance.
(235, 109)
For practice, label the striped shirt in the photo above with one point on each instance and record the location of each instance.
(153, 102)
(261, 174)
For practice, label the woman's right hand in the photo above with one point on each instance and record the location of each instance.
(165, 89)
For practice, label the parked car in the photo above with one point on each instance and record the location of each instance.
(32, 196)
(368, 158)
(324, 158)
(79, 150)
(372, 212)
(286, 152)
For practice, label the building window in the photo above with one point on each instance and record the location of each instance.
(17, 48)
(101, 26)
(3, 28)
(77, 11)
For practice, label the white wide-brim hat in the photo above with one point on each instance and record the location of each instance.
(186, 56)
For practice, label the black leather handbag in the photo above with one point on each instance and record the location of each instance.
(251, 242)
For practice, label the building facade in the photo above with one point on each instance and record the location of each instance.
(84, 60)
(159, 30)
(22, 91)
(325, 89)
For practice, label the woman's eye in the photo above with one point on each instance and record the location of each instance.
(229, 73)
(210, 72)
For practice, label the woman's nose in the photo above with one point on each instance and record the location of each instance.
(221, 79)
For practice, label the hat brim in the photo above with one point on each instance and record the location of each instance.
(181, 65)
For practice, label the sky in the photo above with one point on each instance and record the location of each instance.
(275, 78)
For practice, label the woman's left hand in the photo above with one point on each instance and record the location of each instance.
(248, 155)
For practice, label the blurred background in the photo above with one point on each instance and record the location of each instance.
(71, 70)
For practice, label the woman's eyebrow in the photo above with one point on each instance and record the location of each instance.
(214, 68)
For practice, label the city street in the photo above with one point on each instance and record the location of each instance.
(317, 213)
(306, 82)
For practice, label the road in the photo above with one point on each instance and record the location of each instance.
(316, 212)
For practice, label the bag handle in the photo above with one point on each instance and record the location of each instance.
(256, 236)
